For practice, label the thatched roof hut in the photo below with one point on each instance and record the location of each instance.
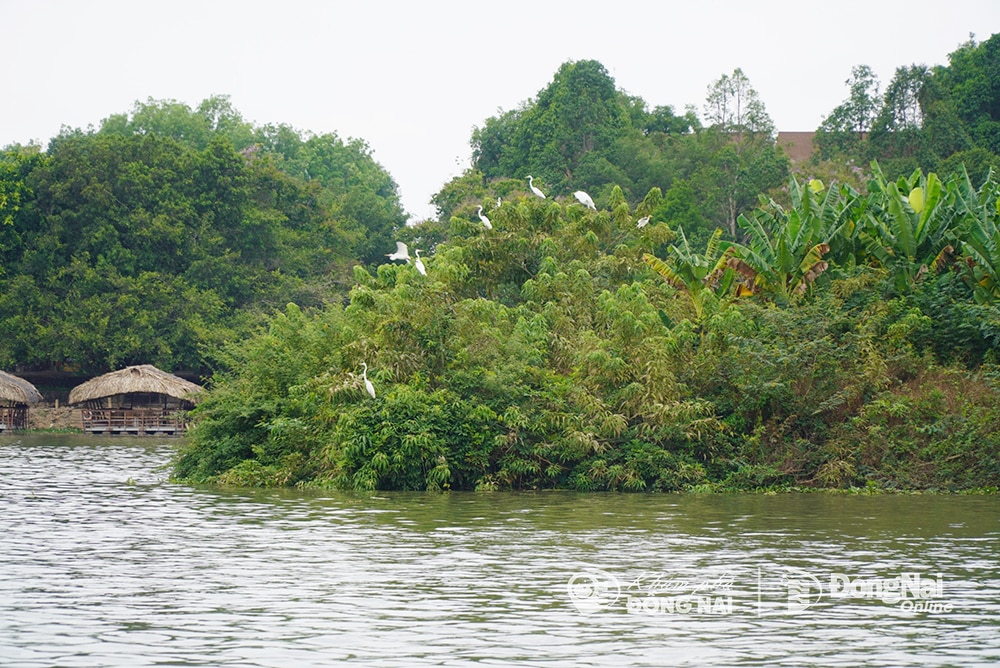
(14, 390)
(136, 400)
(141, 379)
(15, 396)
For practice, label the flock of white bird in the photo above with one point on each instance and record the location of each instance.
(403, 253)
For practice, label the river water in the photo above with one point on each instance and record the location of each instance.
(105, 563)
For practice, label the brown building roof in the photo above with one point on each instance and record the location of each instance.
(798, 146)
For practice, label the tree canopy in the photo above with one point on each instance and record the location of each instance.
(581, 133)
(170, 230)
(940, 118)
(711, 324)
(826, 335)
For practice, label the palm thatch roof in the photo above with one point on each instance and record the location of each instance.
(144, 378)
(17, 390)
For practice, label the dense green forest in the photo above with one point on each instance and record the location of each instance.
(721, 319)
(169, 231)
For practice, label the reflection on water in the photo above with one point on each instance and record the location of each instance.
(104, 563)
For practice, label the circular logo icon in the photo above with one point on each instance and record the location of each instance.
(593, 590)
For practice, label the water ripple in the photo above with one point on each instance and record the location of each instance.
(105, 563)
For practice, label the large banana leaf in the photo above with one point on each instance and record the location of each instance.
(695, 273)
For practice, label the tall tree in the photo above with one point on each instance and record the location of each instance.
(579, 113)
(744, 160)
(735, 107)
(214, 117)
(896, 132)
(847, 126)
(942, 118)
(972, 80)
(901, 103)
(157, 236)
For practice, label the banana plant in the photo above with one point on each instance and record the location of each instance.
(699, 275)
(835, 210)
(786, 250)
(981, 240)
(910, 225)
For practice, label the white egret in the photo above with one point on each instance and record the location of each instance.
(402, 253)
(368, 384)
(499, 202)
(642, 222)
(584, 199)
(486, 221)
(418, 263)
(534, 188)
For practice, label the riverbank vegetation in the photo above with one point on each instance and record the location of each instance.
(720, 320)
(851, 340)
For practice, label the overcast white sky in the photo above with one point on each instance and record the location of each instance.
(413, 78)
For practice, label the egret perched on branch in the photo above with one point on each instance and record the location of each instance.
(486, 221)
(642, 222)
(534, 188)
(368, 384)
(584, 199)
(418, 263)
(402, 253)
(499, 202)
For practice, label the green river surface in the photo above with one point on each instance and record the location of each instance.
(103, 562)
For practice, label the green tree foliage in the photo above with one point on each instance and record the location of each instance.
(214, 117)
(578, 133)
(981, 243)
(912, 226)
(972, 80)
(702, 276)
(896, 131)
(353, 187)
(848, 125)
(570, 348)
(171, 230)
(784, 253)
(733, 172)
(522, 359)
(945, 118)
(579, 113)
(664, 121)
(581, 133)
(732, 161)
(16, 162)
(733, 106)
